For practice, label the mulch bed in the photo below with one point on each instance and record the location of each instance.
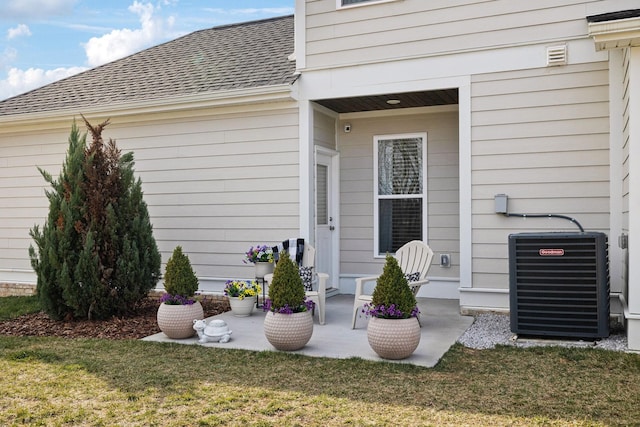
(138, 325)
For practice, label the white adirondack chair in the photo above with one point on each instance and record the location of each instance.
(413, 257)
(319, 292)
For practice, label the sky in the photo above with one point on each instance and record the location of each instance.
(46, 40)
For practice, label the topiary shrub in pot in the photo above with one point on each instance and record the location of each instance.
(288, 324)
(178, 309)
(393, 330)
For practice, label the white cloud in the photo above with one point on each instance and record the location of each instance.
(7, 56)
(20, 30)
(120, 43)
(12, 9)
(20, 81)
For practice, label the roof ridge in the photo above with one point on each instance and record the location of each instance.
(242, 24)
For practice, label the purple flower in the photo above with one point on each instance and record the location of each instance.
(307, 305)
(175, 300)
(241, 288)
(255, 254)
(390, 312)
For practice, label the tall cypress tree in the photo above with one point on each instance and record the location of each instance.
(96, 255)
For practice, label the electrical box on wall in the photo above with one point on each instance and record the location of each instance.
(445, 260)
(501, 201)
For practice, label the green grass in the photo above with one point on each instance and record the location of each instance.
(11, 307)
(55, 381)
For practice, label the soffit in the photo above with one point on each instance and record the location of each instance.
(379, 102)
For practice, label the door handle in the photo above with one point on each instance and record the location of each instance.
(331, 227)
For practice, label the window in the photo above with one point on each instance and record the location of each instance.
(400, 209)
(350, 3)
(322, 191)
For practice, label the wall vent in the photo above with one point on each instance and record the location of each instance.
(557, 55)
(559, 284)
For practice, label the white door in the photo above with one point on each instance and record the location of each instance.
(326, 216)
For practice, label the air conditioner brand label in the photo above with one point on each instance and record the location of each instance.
(551, 252)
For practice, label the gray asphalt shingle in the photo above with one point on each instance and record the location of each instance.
(238, 56)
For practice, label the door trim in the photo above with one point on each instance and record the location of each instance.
(334, 209)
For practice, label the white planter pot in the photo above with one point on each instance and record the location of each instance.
(263, 268)
(393, 338)
(288, 332)
(242, 307)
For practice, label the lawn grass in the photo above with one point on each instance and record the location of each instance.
(11, 307)
(56, 381)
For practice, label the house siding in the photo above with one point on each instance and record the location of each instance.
(215, 183)
(324, 129)
(410, 28)
(22, 200)
(625, 161)
(541, 136)
(625, 141)
(356, 192)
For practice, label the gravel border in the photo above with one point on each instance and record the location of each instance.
(489, 330)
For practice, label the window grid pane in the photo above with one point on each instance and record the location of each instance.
(400, 166)
(400, 221)
(322, 208)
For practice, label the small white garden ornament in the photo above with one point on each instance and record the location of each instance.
(216, 331)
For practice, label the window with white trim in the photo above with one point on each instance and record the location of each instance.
(400, 201)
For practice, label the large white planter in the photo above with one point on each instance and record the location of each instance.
(176, 321)
(288, 332)
(263, 268)
(393, 338)
(242, 307)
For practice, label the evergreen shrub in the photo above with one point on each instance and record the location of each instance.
(96, 255)
(392, 297)
(286, 290)
(179, 277)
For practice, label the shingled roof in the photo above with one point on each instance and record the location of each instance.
(246, 55)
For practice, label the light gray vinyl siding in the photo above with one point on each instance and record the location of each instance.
(410, 28)
(625, 163)
(356, 192)
(22, 200)
(625, 143)
(541, 137)
(215, 184)
(324, 130)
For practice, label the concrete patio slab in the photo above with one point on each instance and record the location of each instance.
(442, 325)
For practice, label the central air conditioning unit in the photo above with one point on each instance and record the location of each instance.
(559, 284)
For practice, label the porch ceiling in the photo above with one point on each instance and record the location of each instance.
(379, 102)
